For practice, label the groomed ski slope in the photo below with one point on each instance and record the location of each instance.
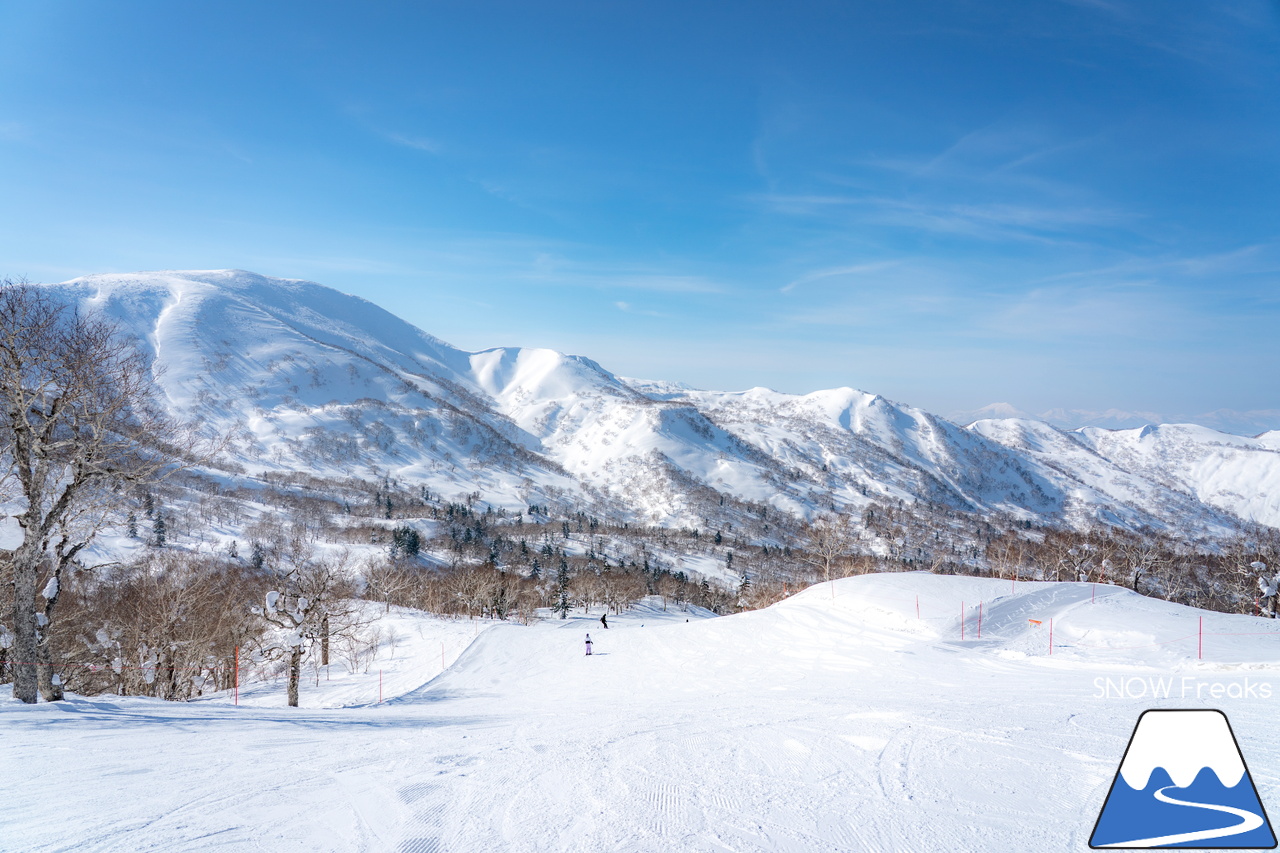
(836, 720)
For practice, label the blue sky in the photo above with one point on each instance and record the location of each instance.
(1050, 203)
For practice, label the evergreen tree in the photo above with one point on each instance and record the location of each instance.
(158, 531)
(562, 590)
(405, 542)
(133, 526)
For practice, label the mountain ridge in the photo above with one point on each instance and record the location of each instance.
(306, 378)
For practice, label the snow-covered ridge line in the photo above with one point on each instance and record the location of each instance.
(310, 379)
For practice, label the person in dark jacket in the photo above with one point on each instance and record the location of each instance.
(588, 644)
(604, 620)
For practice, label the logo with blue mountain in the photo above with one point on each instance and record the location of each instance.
(1183, 783)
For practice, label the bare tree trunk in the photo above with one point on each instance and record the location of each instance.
(49, 681)
(324, 641)
(24, 626)
(295, 672)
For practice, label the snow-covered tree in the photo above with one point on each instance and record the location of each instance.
(78, 423)
(310, 601)
(1267, 587)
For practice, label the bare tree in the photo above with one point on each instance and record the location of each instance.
(1141, 558)
(78, 422)
(830, 539)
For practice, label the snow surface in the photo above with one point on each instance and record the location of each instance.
(836, 720)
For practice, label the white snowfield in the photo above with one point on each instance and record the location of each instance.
(834, 721)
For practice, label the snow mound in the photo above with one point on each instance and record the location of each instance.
(1098, 622)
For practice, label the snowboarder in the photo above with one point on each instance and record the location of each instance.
(604, 620)
(588, 644)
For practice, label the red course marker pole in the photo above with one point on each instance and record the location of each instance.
(979, 620)
(917, 607)
(1051, 636)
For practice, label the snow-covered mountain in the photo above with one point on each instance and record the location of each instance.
(310, 379)
(1231, 421)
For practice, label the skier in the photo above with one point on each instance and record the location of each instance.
(588, 644)
(604, 620)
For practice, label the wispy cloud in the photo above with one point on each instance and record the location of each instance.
(1125, 312)
(1253, 259)
(990, 221)
(417, 143)
(837, 272)
(995, 221)
(1220, 38)
(556, 269)
(628, 308)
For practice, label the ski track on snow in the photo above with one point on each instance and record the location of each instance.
(819, 724)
